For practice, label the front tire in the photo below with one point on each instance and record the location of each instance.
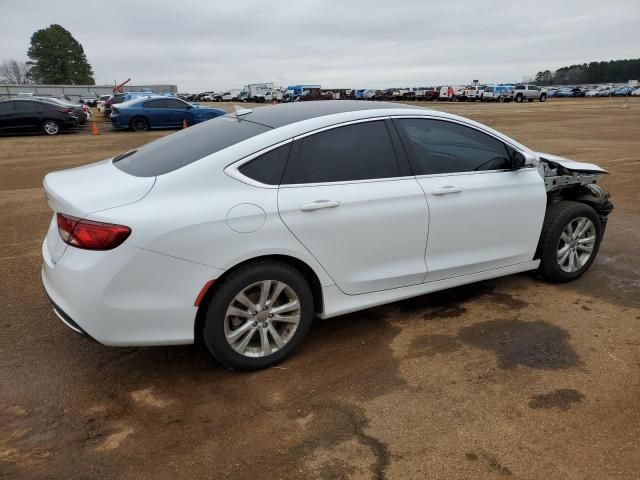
(258, 315)
(569, 241)
(543, 98)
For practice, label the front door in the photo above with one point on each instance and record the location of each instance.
(483, 215)
(351, 201)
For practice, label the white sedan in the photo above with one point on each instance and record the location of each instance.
(240, 230)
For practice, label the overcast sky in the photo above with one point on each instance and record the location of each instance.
(213, 45)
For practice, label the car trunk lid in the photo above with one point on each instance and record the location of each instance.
(89, 189)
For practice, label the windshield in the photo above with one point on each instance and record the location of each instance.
(187, 146)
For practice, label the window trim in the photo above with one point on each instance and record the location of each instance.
(400, 156)
(464, 124)
(233, 169)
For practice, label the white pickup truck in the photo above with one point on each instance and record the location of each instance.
(529, 93)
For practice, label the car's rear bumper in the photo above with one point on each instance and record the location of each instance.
(127, 296)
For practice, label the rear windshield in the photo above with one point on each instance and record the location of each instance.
(187, 146)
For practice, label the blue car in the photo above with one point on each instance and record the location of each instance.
(623, 91)
(145, 113)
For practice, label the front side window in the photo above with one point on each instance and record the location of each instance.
(360, 151)
(172, 103)
(437, 146)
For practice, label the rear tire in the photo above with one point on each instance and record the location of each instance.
(566, 252)
(51, 127)
(543, 98)
(258, 315)
(139, 124)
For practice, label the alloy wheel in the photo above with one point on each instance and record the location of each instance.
(50, 127)
(262, 318)
(576, 244)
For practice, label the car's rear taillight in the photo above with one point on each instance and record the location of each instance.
(89, 234)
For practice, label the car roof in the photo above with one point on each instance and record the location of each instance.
(288, 113)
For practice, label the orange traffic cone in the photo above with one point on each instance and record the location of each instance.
(94, 129)
(184, 123)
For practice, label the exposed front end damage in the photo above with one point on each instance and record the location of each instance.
(566, 179)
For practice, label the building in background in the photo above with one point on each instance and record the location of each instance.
(74, 92)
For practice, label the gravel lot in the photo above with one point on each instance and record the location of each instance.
(507, 378)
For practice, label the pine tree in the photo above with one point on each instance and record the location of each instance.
(58, 58)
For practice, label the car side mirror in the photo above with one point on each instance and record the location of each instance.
(522, 159)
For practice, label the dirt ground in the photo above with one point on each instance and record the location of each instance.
(507, 378)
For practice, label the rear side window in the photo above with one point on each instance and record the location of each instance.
(187, 146)
(437, 146)
(24, 107)
(6, 107)
(360, 151)
(155, 104)
(267, 168)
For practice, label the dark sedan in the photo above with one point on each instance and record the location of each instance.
(35, 115)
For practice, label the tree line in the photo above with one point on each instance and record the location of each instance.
(593, 72)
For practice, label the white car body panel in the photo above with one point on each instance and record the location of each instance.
(388, 239)
(377, 236)
(490, 220)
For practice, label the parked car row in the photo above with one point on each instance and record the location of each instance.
(593, 91)
(37, 114)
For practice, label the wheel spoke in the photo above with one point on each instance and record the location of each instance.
(276, 336)
(563, 250)
(587, 240)
(569, 229)
(264, 342)
(565, 238)
(244, 300)
(563, 258)
(585, 248)
(579, 226)
(242, 346)
(287, 307)
(572, 261)
(295, 319)
(238, 312)
(265, 287)
(238, 332)
(276, 293)
(586, 225)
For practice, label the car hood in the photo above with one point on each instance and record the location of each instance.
(571, 164)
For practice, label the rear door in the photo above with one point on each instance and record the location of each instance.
(6, 115)
(350, 199)
(483, 215)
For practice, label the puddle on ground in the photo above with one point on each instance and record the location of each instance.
(562, 399)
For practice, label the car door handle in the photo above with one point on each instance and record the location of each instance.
(445, 190)
(319, 204)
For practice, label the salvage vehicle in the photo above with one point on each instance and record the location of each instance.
(529, 93)
(145, 113)
(35, 115)
(239, 231)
